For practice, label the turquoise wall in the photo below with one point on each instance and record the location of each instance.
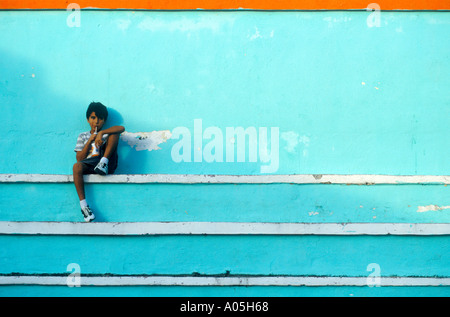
(228, 202)
(344, 98)
(347, 98)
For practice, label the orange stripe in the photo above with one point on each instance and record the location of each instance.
(230, 4)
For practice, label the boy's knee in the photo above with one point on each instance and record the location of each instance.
(78, 168)
(113, 140)
(113, 137)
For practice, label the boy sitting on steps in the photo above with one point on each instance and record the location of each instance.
(96, 152)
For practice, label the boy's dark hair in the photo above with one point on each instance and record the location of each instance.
(99, 109)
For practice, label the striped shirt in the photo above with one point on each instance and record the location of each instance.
(82, 140)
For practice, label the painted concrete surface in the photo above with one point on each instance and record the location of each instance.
(227, 4)
(414, 256)
(236, 291)
(239, 93)
(353, 179)
(228, 202)
(221, 280)
(181, 228)
(346, 98)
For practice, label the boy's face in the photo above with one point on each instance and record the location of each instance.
(95, 122)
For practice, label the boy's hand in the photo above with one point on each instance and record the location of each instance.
(92, 138)
(99, 139)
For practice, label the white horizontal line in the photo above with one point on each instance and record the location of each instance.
(221, 228)
(233, 179)
(220, 281)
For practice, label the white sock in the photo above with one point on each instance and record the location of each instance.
(104, 160)
(83, 203)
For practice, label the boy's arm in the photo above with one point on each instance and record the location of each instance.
(118, 129)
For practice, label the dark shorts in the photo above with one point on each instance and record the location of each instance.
(92, 162)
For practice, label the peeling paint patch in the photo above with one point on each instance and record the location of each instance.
(293, 139)
(123, 24)
(213, 23)
(256, 35)
(146, 140)
(431, 208)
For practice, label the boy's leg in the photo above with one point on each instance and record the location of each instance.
(78, 172)
(79, 169)
(109, 151)
(111, 145)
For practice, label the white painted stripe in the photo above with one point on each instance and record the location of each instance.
(221, 228)
(231, 179)
(220, 281)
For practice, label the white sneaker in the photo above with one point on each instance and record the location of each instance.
(87, 214)
(101, 168)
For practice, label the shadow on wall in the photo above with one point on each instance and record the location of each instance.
(37, 121)
(43, 124)
(115, 118)
(131, 160)
(40, 126)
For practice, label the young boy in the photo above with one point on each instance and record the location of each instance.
(96, 152)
